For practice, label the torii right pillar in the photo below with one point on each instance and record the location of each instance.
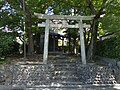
(82, 42)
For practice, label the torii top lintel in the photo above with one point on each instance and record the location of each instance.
(63, 17)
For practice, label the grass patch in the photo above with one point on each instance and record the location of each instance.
(2, 60)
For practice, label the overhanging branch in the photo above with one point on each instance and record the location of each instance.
(91, 7)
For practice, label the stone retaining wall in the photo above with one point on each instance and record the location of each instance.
(93, 74)
(31, 75)
(40, 74)
(2, 74)
(108, 61)
(6, 72)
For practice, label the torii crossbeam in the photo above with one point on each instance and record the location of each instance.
(47, 26)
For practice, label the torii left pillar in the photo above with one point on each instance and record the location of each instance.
(46, 42)
(82, 42)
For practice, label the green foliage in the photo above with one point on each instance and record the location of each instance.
(111, 20)
(6, 42)
(111, 23)
(109, 48)
(12, 17)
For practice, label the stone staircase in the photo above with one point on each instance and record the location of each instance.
(65, 74)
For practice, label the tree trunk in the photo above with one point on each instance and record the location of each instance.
(74, 46)
(30, 34)
(92, 48)
(69, 45)
(28, 29)
(30, 42)
(88, 38)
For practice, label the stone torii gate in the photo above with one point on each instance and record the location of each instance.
(47, 26)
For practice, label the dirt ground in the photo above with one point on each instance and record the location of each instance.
(37, 58)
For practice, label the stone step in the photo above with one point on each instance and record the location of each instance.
(8, 87)
(67, 75)
(54, 85)
(71, 83)
(75, 87)
(64, 68)
(64, 72)
(62, 87)
(69, 79)
(42, 83)
(64, 65)
(70, 88)
(63, 61)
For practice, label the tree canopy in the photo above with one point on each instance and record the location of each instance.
(106, 17)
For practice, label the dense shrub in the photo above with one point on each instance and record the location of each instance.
(109, 48)
(7, 43)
